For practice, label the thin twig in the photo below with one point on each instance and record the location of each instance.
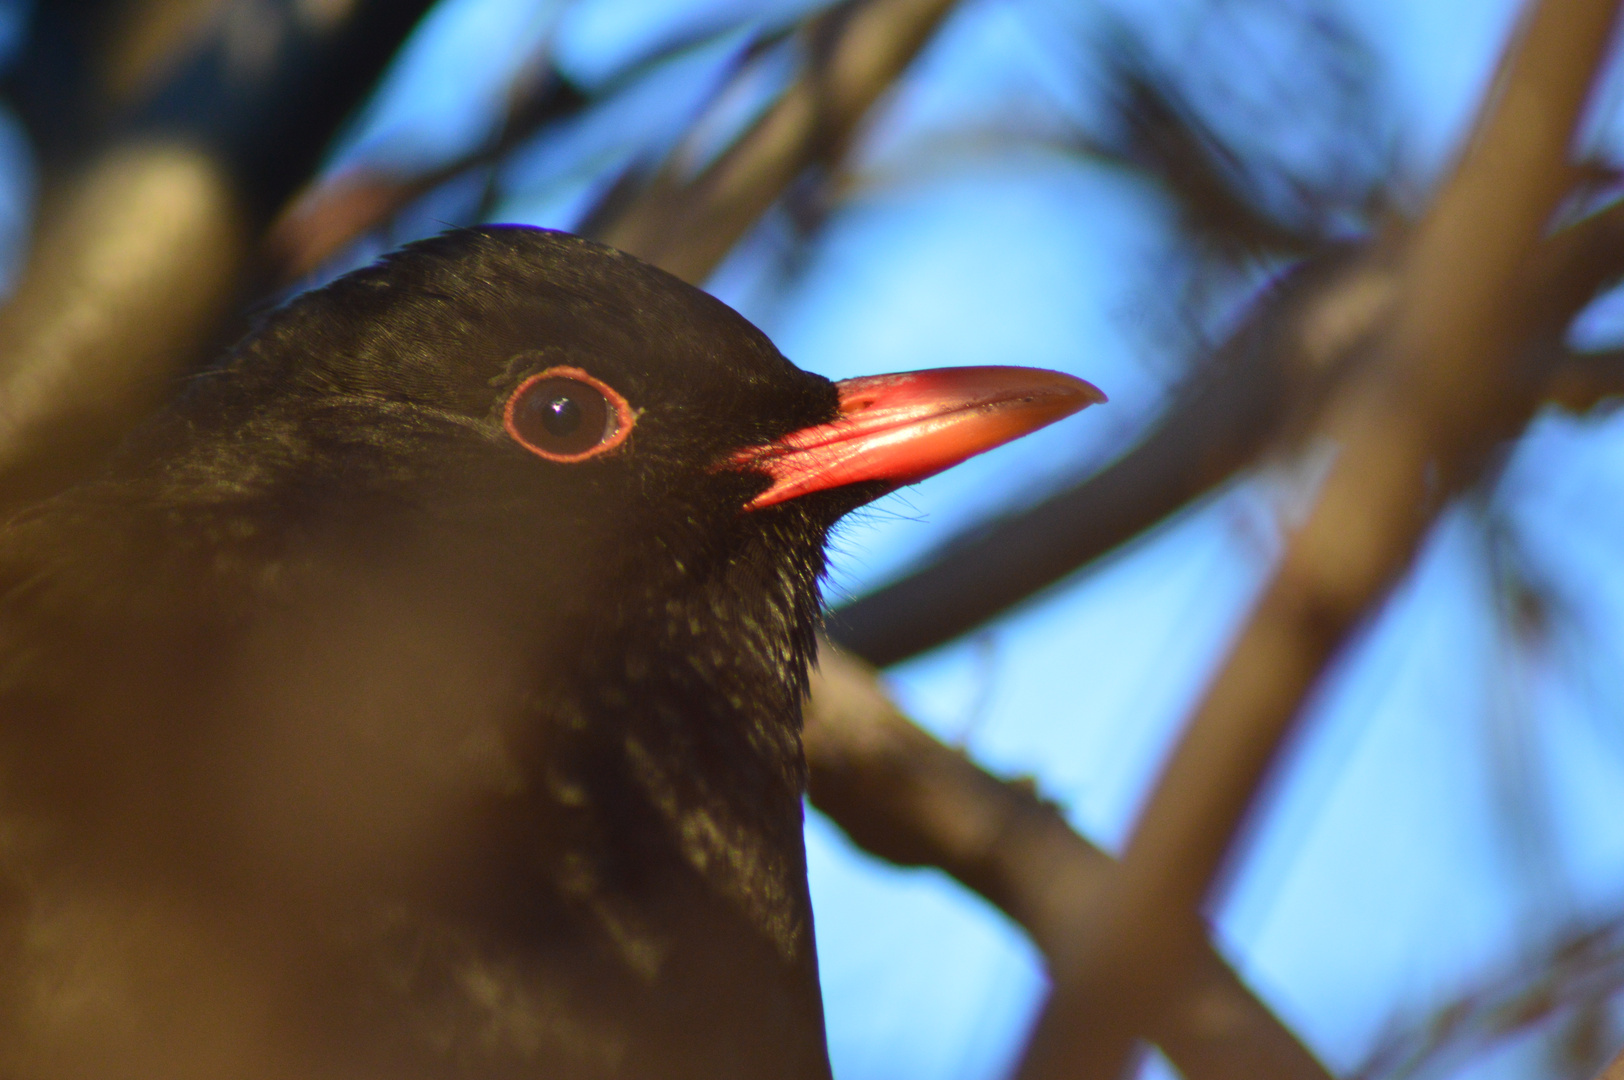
(1581, 969)
(687, 225)
(339, 209)
(343, 207)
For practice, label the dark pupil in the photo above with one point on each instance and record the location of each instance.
(562, 416)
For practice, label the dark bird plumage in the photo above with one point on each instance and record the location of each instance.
(343, 734)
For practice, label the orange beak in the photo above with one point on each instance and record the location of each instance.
(902, 428)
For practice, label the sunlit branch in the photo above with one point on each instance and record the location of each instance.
(1410, 427)
(906, 797)
(139, 255)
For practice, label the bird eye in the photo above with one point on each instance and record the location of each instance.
(564, 414)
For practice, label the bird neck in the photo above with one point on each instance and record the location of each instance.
(697, 708)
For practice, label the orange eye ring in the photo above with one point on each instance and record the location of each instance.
(565, 415)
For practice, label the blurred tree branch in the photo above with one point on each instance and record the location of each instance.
(141, 252)
(1279, 364)
(337, 211)
(1263, 383)
(1581, 970)
(903, 796)
(1159, 131)
(686, 224)
(1417, 421)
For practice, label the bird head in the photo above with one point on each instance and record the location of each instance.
(579, 478)
(624, 434)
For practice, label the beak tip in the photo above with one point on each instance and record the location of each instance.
(1063, 394)
(1086, 393)
(904, 427)
(1074, 388)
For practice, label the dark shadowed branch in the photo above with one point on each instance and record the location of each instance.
(1584, 380)
(1157, 128)
(1446, 386)
(340, 209)
(904, 796)
(1282, 361)
(140, 252)
(343, 207)
(681, 222)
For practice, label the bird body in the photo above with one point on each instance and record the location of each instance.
(418, 695)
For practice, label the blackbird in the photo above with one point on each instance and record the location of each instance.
(418, 695)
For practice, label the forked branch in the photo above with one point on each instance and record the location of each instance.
(904, 796)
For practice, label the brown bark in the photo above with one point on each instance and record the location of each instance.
(904, 796)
